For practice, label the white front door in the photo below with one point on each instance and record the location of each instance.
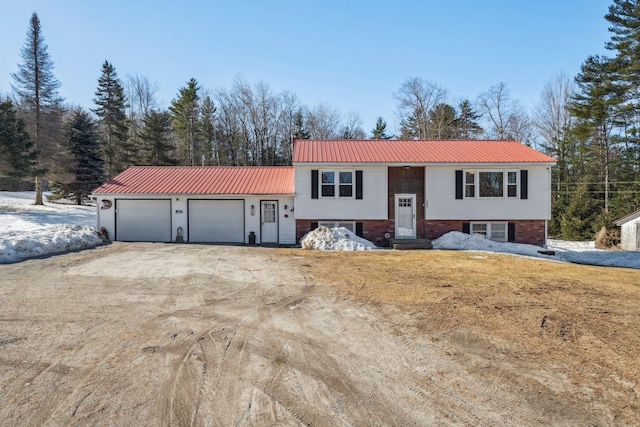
(405, 216)
(637, 237)
(269, 220)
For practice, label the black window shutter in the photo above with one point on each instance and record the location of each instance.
(314, 185)
(511, 232)
(359, 229)
(524, 184)
(314, 225)
(458, 184)
(358, 184)
(466, 227)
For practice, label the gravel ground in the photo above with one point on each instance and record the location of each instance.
(161, 334)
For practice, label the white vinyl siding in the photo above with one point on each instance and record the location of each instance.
(143, 220)
(630, 235)
(440, 201)
(179, 214)
(373, 205)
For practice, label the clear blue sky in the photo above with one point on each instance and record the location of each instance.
(351, 55)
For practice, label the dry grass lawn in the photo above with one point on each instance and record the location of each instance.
(569, 332)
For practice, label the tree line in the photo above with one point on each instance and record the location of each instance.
(590, 124)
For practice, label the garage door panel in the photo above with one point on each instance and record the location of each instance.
(216, 221)
(143, 220)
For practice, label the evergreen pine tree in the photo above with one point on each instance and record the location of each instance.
(184, 110)
(466, 124)
(595, 106)
(579, 217)
(37, 91)
(207, 132)
(87, 168)
(442, 122)
(298, 123)
(110, 108)
(380, 131)
(414, 126)
(157, 141)
(17, 155)
(624, 16)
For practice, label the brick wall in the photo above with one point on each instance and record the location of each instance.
(527, 231)
(531, 232)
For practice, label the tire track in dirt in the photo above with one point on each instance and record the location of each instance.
(221, 379)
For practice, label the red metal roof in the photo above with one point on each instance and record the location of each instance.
(414, 151)
(201, 180)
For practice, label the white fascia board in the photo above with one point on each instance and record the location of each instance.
(150, 195)
(631, 217)
(421, 164)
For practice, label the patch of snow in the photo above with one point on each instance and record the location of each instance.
(575, 252)
(334, 239)
(27, 230)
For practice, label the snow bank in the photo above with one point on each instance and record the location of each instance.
(463, 241)
(49, 239)
(334, 239)
(27, 230)
(575, 252)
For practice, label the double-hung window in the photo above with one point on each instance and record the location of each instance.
(346, 184)
(470, 184)
(328, 184)
(512, 184)
(337, 183)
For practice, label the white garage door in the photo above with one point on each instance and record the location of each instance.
(216, 221)
(143, 220)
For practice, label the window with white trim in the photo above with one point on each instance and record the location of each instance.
(491, 184)
(469, 184)
(328, 184)
(349, 225)
(496, 231)
(512, 184)
(337, 183)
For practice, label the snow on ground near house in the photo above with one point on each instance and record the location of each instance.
(575, 252)
(334, 239)
(27, 230)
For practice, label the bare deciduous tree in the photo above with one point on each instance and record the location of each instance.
(416, 98)
(323, 122)
(141, 94)
(552, 117)
(506, 118)
(352, 128)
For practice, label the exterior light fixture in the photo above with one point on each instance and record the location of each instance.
(253, 210)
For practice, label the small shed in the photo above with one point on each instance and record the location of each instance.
(630, 231)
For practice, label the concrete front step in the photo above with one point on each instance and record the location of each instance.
(406, 244)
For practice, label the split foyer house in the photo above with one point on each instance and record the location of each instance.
(379, 189)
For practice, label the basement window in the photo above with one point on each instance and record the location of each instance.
(496, 231)
(349, 225)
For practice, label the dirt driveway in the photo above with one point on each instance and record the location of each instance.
(155, 334)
